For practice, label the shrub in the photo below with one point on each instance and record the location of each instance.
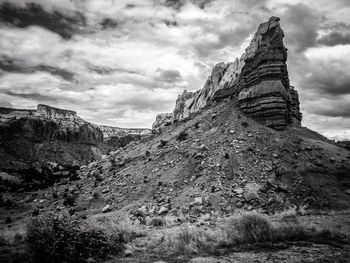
(250, 228)
(69, 199)
(193, 241)
(242, 231)
(59, 238)
(157, 221)
(162, 143)
(244, 124)
(182, 136)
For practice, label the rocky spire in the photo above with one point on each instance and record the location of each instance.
(263, 87)
(258, 80)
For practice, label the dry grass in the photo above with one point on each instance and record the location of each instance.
(193, 240)
(113, 226)
(59, 238)
(239, 231)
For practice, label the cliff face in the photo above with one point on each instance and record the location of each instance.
(163, 119)
(47, 124)
(258, 81)
(264, 91)
(46, 135)
(222, 78)
(55, 113)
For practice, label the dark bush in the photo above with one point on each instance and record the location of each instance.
(250, 228)
(244, 124)
(182, 136)
(59, 238)
(162, 143)
(69, 199)
(157, 221)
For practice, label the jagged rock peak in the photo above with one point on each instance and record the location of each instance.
(258, 81)
(263, 87)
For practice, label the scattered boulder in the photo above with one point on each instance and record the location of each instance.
(106, 209)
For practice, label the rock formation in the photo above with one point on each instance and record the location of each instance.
(55, 113)
(263, 86)
(30, 139)
(163, 119)
(258, 81)
(116, 137)
(47, 124)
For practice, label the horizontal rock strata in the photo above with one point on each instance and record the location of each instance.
(258, 81)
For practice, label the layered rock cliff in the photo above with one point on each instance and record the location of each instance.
(258, 81)
(31, 139)
(47, 124)
(263, 86)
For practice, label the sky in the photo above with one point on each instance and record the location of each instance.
(121, 62)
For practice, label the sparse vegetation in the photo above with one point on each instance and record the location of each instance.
(59, 238)
(162, 143)
(157, 221)
(190, 240)
(249, 228)
(182, 136)
(240, 230)
(245, 124)
(70, 198)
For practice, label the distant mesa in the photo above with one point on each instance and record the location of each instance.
(258, 81)
(41, 111)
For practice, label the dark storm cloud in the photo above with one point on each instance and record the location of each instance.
(101, 70)
(108, 23)
(336, 111)
(331, 107)
(330, 83)
(300, 23)
(168, 75)
(34, 14)
(335, 38)
(178, 4)
(19, 66)
(34, 96)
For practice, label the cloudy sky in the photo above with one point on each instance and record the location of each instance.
(120, 62)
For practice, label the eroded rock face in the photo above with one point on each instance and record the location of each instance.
(222, 78)
(55, 113)
(258, 81)
(47, 134)
(264, 91)
(116, 137)
(163, 119)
